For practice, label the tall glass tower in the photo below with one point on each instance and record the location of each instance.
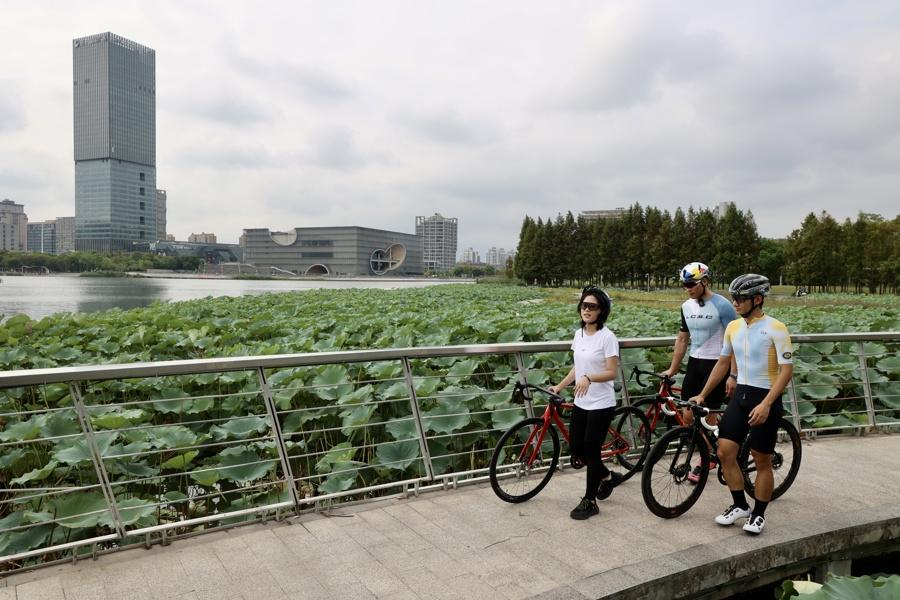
(114, 83)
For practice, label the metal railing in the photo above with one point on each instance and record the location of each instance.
(96, 458)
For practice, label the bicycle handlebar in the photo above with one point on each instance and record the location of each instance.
(636, 375)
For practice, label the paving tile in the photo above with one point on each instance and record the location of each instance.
(43, 589)
(7, 593)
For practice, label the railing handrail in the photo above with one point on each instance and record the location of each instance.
(24, 377)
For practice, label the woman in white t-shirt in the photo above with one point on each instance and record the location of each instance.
(596, 353)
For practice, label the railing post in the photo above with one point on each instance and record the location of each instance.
(88, 430)
(867, 385)
(626, 398)
(417, 415)
(523, 379)
(792, 398)
(279, 438)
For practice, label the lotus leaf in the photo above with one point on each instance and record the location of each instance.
(117, 418)
(355, 418)
(332, 383)
(10, 459)
(342, 453)
(819, 386)
(80, 509)
(398, 455)
(172, 401)
(131, 468)
(24, 430)
(358, 396)
(874, 349)
(240, 428)
(395, 390)
(206, 478)
(426, 386)
(180, 461)
(36, 475)
(242, 464)
(889, 365)
(537, 377)
(502, 418)
(339, 482)
(55, 392)
(447, 417)
(888, 394)
(805, 408)
(75, 452)
(133, 510)
(402, 428)
(384, 370)
(59, 424)
(172, 436)
(462, 369)
(13, 542)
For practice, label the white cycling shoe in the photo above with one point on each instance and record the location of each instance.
(732, 514)
(754, 525)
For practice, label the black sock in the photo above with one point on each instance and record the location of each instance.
(759, 509)
(739, 499)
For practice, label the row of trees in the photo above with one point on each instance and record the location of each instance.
(642, 247)
(78, 262)
(647, 247)
(861, 255)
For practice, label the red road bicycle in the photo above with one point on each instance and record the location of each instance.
(661, 407)
(527, 454)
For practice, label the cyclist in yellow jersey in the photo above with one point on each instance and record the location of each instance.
(761, 350)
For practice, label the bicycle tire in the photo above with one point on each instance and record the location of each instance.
(665, 486)
(631, 424)
(785, 463)
(515, 481)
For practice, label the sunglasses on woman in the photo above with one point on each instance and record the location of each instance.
(590, 306)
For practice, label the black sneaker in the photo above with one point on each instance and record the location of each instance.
(607, 485)
(586, 508)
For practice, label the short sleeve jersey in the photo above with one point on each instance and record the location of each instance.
(591, 352)
(758, 349)
(706, 325)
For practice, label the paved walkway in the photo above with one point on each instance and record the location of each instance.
(467, 544)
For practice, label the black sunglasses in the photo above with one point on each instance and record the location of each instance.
(590, 306)
(689, 284)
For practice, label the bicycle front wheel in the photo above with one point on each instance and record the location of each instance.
(665, 486)
(785, 461)
(523, 463)
(630, 441)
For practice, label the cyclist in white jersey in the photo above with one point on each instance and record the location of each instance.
(704, 317)
(760, 346)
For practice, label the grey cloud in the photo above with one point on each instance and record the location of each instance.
(313, 84)
(446, 127)
(227, 109)
(226, 157)
(630, 72)
(335, 149)
(12, 110)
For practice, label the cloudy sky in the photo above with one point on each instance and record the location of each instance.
(285, 114)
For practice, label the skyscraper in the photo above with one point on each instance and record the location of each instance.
(13, 226)
(115, 142)
(438, 235)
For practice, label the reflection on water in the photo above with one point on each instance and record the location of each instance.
(41, 296)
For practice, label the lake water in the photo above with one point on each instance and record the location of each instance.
(39, 296)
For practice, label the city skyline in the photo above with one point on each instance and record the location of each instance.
(486, 113)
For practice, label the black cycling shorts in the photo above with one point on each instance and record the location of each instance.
(734, 423)
(698, 370)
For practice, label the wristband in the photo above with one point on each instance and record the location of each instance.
(733, 376)
(588, 378)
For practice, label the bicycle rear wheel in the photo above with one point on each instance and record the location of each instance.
(521, 465)
(665, 486)
(630, 441)
(785, 461)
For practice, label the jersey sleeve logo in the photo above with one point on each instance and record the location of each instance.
(786, 355)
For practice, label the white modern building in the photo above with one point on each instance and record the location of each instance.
(438, 234)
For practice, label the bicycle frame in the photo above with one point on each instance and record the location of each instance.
(552, 417)
(666, 398)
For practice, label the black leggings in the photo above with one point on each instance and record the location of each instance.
(587, 432)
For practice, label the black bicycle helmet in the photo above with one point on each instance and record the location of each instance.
(750, 285)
